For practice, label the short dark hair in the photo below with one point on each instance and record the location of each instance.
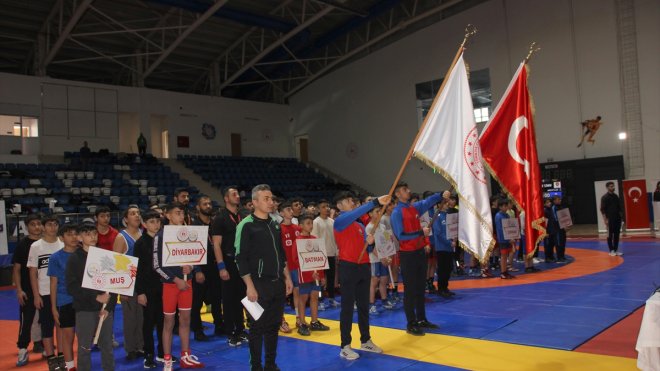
(50, 218)
(305, 216)
(32, 217)
(202, 197)
(502, 202)
(178, 191)
(86, 227)
(323, 201)
(101, 210)
(341, 196)
(297, 199)
(174, 205)
(67, 227)
(226, 189)
(125, 213)
(284, 205)
(400, 184)
(311, 204)
(150, 214)
(609, 184)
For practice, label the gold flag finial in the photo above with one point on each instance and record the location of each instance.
(470, 30)
(532, 49)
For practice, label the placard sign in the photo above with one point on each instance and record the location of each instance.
(452, 226)
(312, 255)
(110, 271)
(185, 245)
(511, 228)
(385, 246)
(564, 218)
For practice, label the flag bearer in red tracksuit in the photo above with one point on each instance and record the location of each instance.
(354, 272)
(411, 236)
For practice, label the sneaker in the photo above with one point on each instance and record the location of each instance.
(354, 307)
(506, 276)
(53, 363)
(532, 270)
(162, 359)
(190, 361)
(373, 310)
(612, 253)
(444, 294)
(333, 303)
(485, 273)
(388, 305)
(536, 260)
(149, 361)
(513, 269)
(303, 329)
(115, 343)
(322, 307)
(550, 260)
(284, 327)
(348, 353)
(318, 326)
(22, 357)
(233, 341)
(201, 336)
(243, 336)
(561, 261)
(426, 324)
(617, 253)
(38, 347)
(272, 367)
(414, 330)
(369, 346)
(168, 364)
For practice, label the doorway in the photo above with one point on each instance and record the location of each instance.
(302, 148)
(236, 145)
(164, 142)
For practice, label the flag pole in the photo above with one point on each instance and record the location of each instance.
(532, 49)
(470, 30)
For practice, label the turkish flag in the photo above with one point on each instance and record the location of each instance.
(508, 148)
(636, 204)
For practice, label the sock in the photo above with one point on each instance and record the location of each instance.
(69, 365)
(168, 357)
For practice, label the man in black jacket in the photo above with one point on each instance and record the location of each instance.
(88, 305)
(262, 265)
(610, 207)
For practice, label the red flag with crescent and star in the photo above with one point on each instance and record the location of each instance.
(636, 204)
(508, 148)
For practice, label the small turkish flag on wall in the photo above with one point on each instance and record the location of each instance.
(636, 204)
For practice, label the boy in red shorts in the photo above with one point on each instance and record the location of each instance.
(176, 293)
(311, 284)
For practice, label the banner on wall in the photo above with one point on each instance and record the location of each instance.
(600, 189)
(4, 246)
(636, 203)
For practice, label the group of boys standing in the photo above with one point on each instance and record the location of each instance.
(253, 255)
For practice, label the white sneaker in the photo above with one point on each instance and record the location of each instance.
(333, 303)
(322, 307)
(536, 260)
(612, 253)
(168, 365)
(618, 253)
(348, 353)
(22, 357)
(369, 346)
(373, 310)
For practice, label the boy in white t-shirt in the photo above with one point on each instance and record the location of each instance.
(379, 264)
(324, 228)
(38, 259)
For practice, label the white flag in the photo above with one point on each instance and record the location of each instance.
(450, 144)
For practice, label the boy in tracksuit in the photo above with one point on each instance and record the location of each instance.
(177, 293)
(560, 233)
(88, 305)
(504, 244)
(444, 248)
(412, 240)
(354, 272)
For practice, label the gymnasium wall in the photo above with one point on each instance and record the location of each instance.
(362, 118)
(112, 117)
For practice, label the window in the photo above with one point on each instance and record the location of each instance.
(19, 126)
(479, 87)
(481, 114)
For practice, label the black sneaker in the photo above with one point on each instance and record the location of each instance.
(149, 361)
(243, 336)
(201, 336)
(233, 341)
(415, 331)
(426, 324)
(303, 329)
(272, 367)
(532, 270)
(444, 294)
(318, 326)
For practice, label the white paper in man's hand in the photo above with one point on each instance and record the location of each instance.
(253, 308)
